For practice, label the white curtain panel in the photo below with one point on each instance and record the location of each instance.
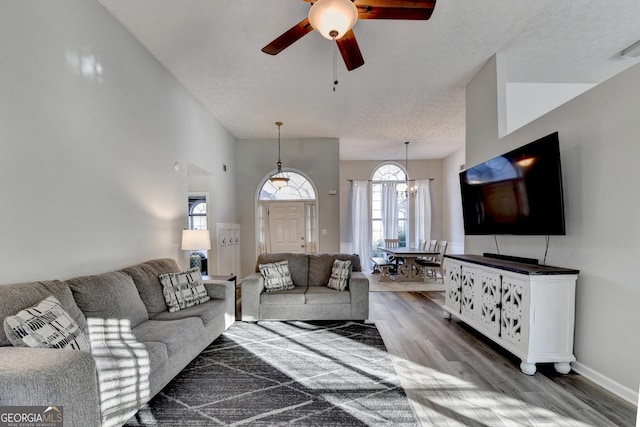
(360, 220)
(423, 211)
(312, 227)
(389, 210)
(263, 228)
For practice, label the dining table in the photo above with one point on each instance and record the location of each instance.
(408, 270)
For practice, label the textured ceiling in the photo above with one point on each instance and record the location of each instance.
(411, 87)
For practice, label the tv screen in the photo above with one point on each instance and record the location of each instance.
(519, 192)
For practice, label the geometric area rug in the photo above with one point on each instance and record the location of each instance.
(332, 373)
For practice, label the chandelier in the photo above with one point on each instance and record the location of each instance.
(410, 191)
(279, 179)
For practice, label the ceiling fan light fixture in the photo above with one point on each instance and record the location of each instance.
(333, 18)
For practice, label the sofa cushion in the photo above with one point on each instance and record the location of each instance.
(277, 276)
(176, 335)
(45, 325)
(320, 266)
(324, 295)
(340, 275)
(182, 290)
(19, 296)
(145, 276)
(110, 295)
(207, 312)
(298, 265)
(288, 297)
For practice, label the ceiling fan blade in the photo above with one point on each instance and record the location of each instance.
(288, 38)
(401, 4)
(350, 51)
(374, 12)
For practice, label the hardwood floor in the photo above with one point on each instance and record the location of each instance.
(454, 376)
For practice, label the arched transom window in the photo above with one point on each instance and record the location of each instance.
(389, 172)
(298, 188)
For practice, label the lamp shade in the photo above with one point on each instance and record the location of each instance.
(329, 16)
(195, 240)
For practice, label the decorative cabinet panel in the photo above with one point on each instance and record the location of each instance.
(514, 312)
(490, 301)
(527, 309)
(452, 285)
(467, 300)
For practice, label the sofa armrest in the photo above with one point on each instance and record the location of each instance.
(252, 287)
(226, 290)
(359, 288)
(51, 377)
(219, 289)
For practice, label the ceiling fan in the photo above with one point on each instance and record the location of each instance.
(324, 17)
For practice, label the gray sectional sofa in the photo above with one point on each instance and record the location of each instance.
(137, 346)
(311, 299)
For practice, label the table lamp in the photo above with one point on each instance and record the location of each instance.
(195, 240)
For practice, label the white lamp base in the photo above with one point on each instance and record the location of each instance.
(195, 261)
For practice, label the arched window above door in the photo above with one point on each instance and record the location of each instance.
(298, 188)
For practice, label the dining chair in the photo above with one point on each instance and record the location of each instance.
(388, 264)
(435, 265)
(393, 243)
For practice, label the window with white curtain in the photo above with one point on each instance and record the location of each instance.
(386, 173)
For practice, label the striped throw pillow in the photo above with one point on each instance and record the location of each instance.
(45, 325)
(182, 290)
(340, 273)
(277, 276)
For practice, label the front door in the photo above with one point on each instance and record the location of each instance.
(286, 227)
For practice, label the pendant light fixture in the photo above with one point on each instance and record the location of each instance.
(279, 179)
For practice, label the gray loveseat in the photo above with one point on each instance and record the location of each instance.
(311, 299)
(137, 346)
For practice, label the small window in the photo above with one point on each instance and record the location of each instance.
(197, 214)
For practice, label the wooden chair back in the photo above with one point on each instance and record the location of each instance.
(391, 243)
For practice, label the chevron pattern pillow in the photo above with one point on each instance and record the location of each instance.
(45, 325)
(182, 290)
(340, 273)
(277, 276)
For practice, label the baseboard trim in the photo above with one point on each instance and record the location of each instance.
(614, 387)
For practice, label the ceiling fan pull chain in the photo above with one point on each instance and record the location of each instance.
(335, 63)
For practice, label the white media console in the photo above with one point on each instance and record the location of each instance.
(528, 309)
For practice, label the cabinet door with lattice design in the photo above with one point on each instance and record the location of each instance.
(467, 293)
(452, 282)
(514, 319)
(489, 301)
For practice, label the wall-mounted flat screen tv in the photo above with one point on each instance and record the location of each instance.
(519, 192)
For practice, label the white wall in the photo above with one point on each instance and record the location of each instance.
(363, 169)
(317, 158)
(452, 223)
(599, 133)
(92, 126)
(528, 101)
